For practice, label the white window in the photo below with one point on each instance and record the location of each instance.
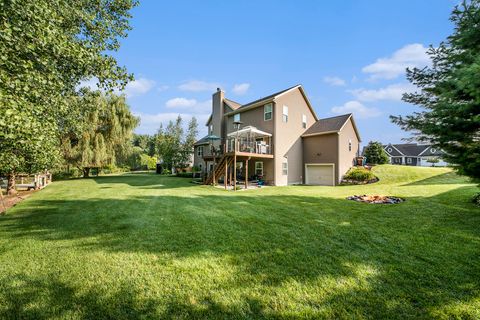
(259, 168)
(350, 145)
(285, 167)
(409, 160)
(304, 121)
(432, 150)
(267, 112)
(236, 117)
(211, 128)
(200, 151)
(389, 150)
(285, 114)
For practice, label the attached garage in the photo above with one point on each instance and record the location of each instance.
(320, 174)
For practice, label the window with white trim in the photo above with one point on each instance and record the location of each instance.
(236, 117)
(389, 150)
(350, 145)
(433, 150)
(200, 151)
(304, 121)
(211, 129)
(285, 167)
(267, 112)
(409, 160)
(285, 114)
(259, 168)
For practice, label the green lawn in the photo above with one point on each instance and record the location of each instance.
(146, 246)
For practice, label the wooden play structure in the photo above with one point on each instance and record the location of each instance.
(29, 181)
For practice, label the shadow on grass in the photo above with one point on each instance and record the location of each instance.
(444, 178)
(421, 253)
(144, 181)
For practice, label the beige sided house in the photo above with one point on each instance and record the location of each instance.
(278, 139)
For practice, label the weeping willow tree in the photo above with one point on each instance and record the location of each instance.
(102, 132)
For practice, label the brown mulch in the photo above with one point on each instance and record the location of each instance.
(6, 202)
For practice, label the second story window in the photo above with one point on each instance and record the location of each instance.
(350, 145)
(267, 112)
(211, 129)
(200, 151)
(304, 121)
(285, 114)
(236, 117)
(285, 167)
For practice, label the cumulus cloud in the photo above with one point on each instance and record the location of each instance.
(391, 92)
(180, 103)
(138, 87)
(192, 105)
(334, 81)
(241, 88)
(412, 55)
(358, 109)
(198, 86)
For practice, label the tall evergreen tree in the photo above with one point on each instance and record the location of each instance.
(449, 93)
(375, 154)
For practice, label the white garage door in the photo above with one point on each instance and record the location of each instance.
(319, 174)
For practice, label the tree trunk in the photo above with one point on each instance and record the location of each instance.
(86, 172)
(11, 189)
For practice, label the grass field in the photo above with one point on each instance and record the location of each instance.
(145, 246)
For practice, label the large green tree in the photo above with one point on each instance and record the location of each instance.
(46, 48)
(375, 154)
(103, 135)
(449, 93)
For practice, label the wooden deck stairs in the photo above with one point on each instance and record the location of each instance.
(225, 161)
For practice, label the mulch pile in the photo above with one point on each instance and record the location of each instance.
(375, 199)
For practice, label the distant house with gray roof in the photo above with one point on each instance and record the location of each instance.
(413, 154)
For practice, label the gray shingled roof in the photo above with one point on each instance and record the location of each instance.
(414, 150)
(267, 97)
(232, 104)
(333, 124)
(204, 140)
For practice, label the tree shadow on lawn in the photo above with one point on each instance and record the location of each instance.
(421, 253)
(444, 178)
(145, 181)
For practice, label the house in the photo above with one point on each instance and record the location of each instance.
(412, 154)
(278, 139)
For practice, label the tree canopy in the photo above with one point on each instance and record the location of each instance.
(449, 94)
(46, 48)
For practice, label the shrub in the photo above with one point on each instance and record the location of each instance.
(476, 199)
(185, 174)
(166, 172)
(359, 174)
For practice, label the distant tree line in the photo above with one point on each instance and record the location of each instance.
(172, 146)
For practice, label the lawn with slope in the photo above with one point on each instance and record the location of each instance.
(147, 246)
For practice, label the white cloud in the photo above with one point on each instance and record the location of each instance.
(192, 105)
(180, 103)
(138, 87)
(391, 92)
(240, 89)
(92, 84)
(412, 55)
(162, 88)
(334, 81)
(150, 123)
(358, 109)
(197, 86)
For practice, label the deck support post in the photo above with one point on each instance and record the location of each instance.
(234, 172)
(246, 173)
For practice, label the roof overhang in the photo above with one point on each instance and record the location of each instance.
(319, 133)
(250, 130)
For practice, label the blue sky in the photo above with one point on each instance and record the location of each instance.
(348, 55)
